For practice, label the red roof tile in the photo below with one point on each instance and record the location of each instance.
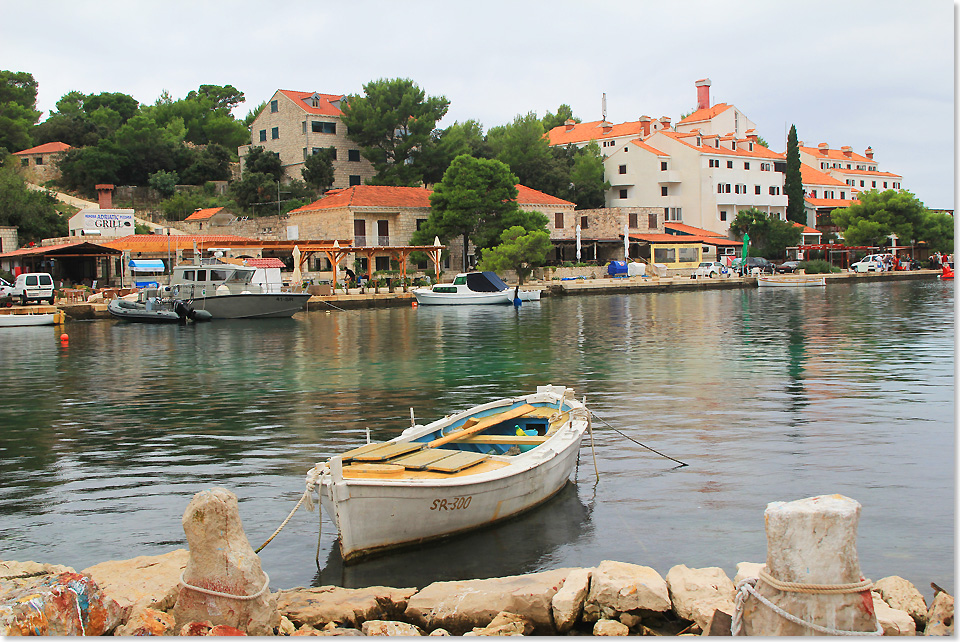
(202, 215)
(642, 145)
(370, 196)
(706, 114)
(806, 230)
(158, 242)
(813, 176)
(743, 146)
(689, 229)
(271, 262)
(324, 106)
(583, 132)
(46, 148)
(835, 154)
(529, 196)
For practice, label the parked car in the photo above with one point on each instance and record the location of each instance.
(870, 263)
(710, 269)
(5, 287)
(756, 262)
(33, 286)
(787, 267)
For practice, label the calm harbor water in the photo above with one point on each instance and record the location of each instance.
(767, 395)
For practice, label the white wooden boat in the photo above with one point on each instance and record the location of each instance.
(791, 281)
(19, 320)
(462, 472)
(468, 288)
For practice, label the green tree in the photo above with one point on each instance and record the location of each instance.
(769, 236)
(33, 213)
(84, 119)
(260, 161)
(262, 174)
(180, 205)
(475, 199)
(876, 215)
(81, 169)
(211, 163)
(459, 138)
(564, 113)
(520, 250)
(206, 115)
(318, 170)
(522, 146)
(18, 109)
(792, 181)
(936, 230)
(391, 122)
(163, 182)
(587, 185)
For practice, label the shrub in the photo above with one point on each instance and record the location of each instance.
(817, 266)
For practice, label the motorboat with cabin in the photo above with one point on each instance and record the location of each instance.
(227, 291)
(468, 288)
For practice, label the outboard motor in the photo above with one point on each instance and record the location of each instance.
(183, 310)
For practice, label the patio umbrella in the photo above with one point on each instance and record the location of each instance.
(578, 242)
(626, 243)
(296, 280)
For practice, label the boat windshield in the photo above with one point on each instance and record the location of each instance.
(460, 280)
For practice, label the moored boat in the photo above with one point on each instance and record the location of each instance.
(226, 291)
(150, 307)
(468, 288)
(22, 320)
(459, 473)
(791, 281)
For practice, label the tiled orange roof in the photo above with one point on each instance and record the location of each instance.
(863, 172)
(689, 229)
(160, 242)
(202, 215)
(743, 147)
(583, 132)
(828, 202)
(44, 249)
(529, 196)
(46, 148)
(813, 176)
(642, 145)
(836, 154)
(370, 196)
(706, 114)
(271, 262)
(806, 229)
(324, 108)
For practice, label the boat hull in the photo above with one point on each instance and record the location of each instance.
(375, 515)
(252, 305)
(426, 296)
(23, 320)
(791, 281)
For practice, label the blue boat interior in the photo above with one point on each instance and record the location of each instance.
(503, 438)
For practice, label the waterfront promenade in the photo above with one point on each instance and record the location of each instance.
(353, 299)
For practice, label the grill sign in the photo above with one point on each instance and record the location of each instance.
(107, 221)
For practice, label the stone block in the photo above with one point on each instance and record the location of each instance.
(153, 580)
(893, 621)
(322, 605)
(145, 621)
(611, 628)
(618, 587)
(697, 592)
(505, 624)
(901, 594)
(567, 603)
(65, 604)
(940, 615)
(388, 627)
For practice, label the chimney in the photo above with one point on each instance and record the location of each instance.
(752, 136)
(824, 148)
(569, 124)
(105, 196)
(645, 125)
(665, 122)
(703, 93)
(847, 151)
(606, 126)
(869, 153)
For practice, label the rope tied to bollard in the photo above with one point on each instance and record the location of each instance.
(747, 587)
(313, 477)
(200, 589)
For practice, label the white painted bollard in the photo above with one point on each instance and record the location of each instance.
(811, 584)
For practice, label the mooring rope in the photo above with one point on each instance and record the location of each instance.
(313, 476)
(200, 589)
(634, 440)
(747, 587)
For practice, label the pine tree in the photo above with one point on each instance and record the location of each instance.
(793, 183)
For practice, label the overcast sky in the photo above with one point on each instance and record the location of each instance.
(862, 73)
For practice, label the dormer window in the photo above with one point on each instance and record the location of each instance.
(699, 142)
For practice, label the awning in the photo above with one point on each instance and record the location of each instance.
(146, 265)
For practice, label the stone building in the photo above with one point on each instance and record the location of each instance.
(40, 163)
(297, 124)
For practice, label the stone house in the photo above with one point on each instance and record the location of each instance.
(207, 218)
(40, 163)
(297, 124)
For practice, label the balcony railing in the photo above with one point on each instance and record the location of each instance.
(360, 241)
(383, 240)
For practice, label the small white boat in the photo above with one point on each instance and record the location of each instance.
(791, 281)
(19, 320)
(459, 473)
(468, 288)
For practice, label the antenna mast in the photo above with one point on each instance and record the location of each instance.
(604, 106)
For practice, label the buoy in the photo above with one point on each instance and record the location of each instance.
(64, 339)
(413, 304)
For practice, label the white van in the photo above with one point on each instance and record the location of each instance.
(33, 286)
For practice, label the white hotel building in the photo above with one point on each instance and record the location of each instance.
(700, 173)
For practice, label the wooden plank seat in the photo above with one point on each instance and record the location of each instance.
(483, 424)
(420, 459)
(507, 440)
(383, 452)
(456, 462)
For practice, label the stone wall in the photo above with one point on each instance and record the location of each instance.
(8, 238)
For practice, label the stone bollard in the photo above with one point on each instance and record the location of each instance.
(812, 543)
(223, 582)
